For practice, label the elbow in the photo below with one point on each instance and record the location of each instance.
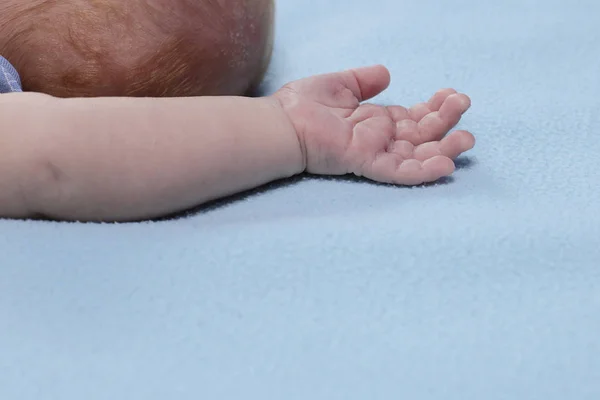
(42, 190)
(31, 184)
(28, 191)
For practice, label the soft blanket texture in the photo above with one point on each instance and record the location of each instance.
(486, 286)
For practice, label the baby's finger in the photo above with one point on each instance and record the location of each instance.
(408, 130)
(398, 113)
(414, 172)
(419, 111)
(438, 99)
(436, 125)
(366, 82)
(454, 107)
(390, 168)
(451, 146)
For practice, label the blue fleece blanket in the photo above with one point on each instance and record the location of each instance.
(485, 286)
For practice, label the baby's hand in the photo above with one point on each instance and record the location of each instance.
(392, 144)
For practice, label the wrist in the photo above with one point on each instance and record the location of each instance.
(291, 131)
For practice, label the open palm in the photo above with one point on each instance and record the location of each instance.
(394, 144)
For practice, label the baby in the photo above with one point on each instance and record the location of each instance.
(133, 110)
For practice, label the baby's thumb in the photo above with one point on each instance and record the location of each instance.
(367, 82)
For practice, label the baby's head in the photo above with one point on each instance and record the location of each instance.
(73, 48)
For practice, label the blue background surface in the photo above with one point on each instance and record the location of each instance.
(482, 287)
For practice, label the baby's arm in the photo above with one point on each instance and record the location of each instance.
(128, 159)
(122, 159)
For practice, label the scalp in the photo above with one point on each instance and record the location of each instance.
(138, 47)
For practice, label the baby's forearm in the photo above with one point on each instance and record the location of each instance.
(128, 159)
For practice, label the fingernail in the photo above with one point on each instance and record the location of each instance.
(464, 101)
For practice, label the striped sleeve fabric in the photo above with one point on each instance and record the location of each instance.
(9, 77)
